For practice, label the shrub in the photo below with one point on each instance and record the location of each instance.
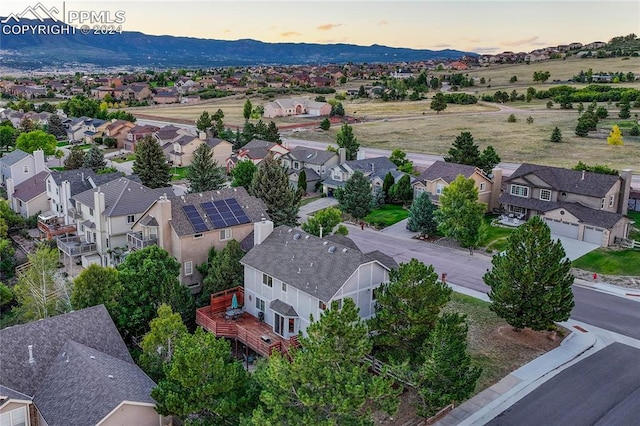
(512, 118)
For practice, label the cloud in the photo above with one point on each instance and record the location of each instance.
(383, 22)
(290, 34)
(441, 46)
(515, 43)
(327, 27)
(483, 49)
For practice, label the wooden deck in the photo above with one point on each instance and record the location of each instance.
(247, 329)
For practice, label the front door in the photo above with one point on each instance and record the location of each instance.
(278, 324)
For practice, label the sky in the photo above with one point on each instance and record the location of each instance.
(474, 25)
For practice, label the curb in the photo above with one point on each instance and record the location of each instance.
(626, 292)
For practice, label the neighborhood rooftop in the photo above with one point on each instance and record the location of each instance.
(446, 171)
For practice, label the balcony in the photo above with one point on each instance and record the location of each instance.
(136, 241)
(52, 226)
(74, 246)
(247, 329)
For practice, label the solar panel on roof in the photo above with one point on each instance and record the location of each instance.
(225, 213)
(195, 219)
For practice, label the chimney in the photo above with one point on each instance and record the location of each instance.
(625, 191)
(582, 178)
(163, 219)
(10, 190)
(360, 155)
(373, 167)
(32, 360)
(38, 158)
(261, 230)
(342, 153)
(202, 136)
(496, 177)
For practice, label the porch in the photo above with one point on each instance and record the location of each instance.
(245, 328)
(51, 225)
(75, 246)
(137, 241)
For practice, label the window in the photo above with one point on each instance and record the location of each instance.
(374, 293)
(196, 236)
(17, 417)
(292, 325)
(188, 267)
(48, 186)
(267, 280)
(225, 234)
(131, 218)
(153, 232)
(25, 169)
(519, 191)
(338, 303)
(545, 195)
(107, 242)
(517, 209)
(322, 305)
(296, 165)
(284, 287)
(439, 188)
(602, 203)
(259, 304)
(90, 212)
(483, 185)
(612, 198)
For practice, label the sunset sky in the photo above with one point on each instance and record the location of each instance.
(478, 26)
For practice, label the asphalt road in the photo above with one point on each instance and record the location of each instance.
(603, 389)
(591, 307)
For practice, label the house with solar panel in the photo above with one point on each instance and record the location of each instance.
(289, 277)
(187, 226)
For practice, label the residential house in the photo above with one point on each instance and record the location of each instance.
(137, 91)
(581, 205)
(83, 129)
(289, 277)
(295, 106)
(256, 151)
(188, 226)
(118, 129)
(634, 201)
(440, 174)
(72, 369)
(183, 149)
(104, 216)
(19, 166)
(342, 172)
(168, 96)
(138, 132)
(29, 197)
(316, 164)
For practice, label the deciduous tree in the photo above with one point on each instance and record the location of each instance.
(615, 136)
(325, 220)
(204, 174)
(438, 103)
(531, 282)
(243, 173)
(346, 139)
(460, 215)
(271, 184)
(96, 285)
(35, 140)
(7, 136)
(75, 159)
(151, 164)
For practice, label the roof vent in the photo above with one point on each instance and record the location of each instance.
(311, 265)
(92, 357)
(110, 376)
(299, 270)
(306, 237)
(344, 250)
(32, 360)
(332, 249)
(296, 236)
(290, 230)
(324, 243)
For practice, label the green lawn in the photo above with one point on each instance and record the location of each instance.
(496, 236)
(130, 157)
(63, 143)
(57, 168)
(179, 173)
(386, 215)
(611, 262)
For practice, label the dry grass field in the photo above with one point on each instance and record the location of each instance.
(414, 127)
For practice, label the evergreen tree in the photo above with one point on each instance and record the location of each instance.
(625, 109)
(325, 220)
(388, 182)
(346, 139)
(337, 110)
(222, 271)
(246, 110)
(403, 191)
(355, 198)
(271, 184)
(464, 150)
(421, 215)
(556, 136)
(75, 159)
(531, 282)
(326, 383)
(447, 374)
(361, 92)
(272, 134)
(325, 124)
(204, 174)
(151, 164)
(460, 215)
(407, 308)
(94, 159)
(56, 128)
(582, 129)
(615, 136)
(243, 173)
(204, 121)
(488, 160)
(302, 182)
(438, 103)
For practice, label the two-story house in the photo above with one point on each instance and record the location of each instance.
(440, 174)
(182, 153)
(72, 369)
(582, 205)
(289, 277)
(342, 172)
(19, 166)
(118, 130)
(188, 226)
(104, 216)
(136, 133)
(29, 197)
(315, 163)
(256, 151)
(83, 129)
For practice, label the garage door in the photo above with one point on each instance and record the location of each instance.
(564, 229)
(593, 235)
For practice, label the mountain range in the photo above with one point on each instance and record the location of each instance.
(135, 49)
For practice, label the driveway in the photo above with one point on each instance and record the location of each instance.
(314, 206)
(574, 248)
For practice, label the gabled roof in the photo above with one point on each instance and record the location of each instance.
(589, 216)
(32, 187)
(256, 149)
(81, 179)
(572, 181)
(313, 265)
(121, 197)
(253, 207)
(13, 157)
(310, 155)
(83, 385)
(370, 165)
(7, 394)
(213, 142)
(92, 327)
(283, 308)
(447, 171)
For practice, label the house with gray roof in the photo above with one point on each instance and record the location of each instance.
(188, 226)
(583, 205)
(20, 166)
(29, 197)
(290, 275)
(370, 167)
(72, 369)
(315, 163)
(256, 151)
(440, 174)
(104, 216)
(183, 148)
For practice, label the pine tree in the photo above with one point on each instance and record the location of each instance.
(615, 136)
(271, 184)
(346, 139)
(355, 198)
(388, 182)
(464, 150)
(56, 128)
(302, 182)
(460, 215)
(582, 129)
(151, 164)
(531, 282)
(438, 103)
(272, 134)
(204, 121)
(421, 215)
(488, 160)
(325, 124)
(556, 136)
(403, 191)
(75, 159)
(625, 109)
(94, 159)
(204, 174)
